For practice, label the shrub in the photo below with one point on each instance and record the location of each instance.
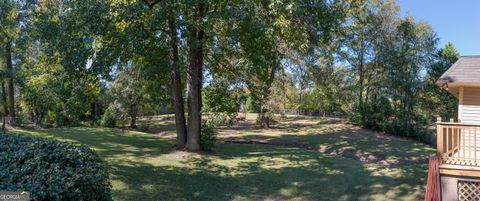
(374, 114)
(208, 138)
(109, 118)
(52, 170)
(114, 115)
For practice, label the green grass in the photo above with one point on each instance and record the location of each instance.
(146, 167)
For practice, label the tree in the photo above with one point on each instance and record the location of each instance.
(195, 43)
(164, 18)
(58, 87)
(401, 49)
(281, 95)
(177, 91)
(411, 51)
(382, 19)
(330, 93)
(436, 101)
(158, 51)
(271, 32)
(129, 91)
(158, 30)
(356, 41)
(9, 22)
(38, 87)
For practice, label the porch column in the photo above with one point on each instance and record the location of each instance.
(460, 103)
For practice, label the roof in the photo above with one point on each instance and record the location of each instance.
(465, 70)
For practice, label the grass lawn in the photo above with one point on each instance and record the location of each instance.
(299, 159)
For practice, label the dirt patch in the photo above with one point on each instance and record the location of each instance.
(179, 155)
(364, 157)
(356, 154)
(273, 143)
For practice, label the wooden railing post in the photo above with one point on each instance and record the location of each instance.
(433, 191)
(439, 137)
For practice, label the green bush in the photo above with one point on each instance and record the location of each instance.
(52, 170)
(115, 115)
(208, 138)
(374, 114)
(109, 119)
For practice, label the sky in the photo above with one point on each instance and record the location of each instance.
(456, 21)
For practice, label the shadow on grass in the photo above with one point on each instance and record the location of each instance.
(110, 143)
(301, 175)
(142, 170)
(347, 141)
(156, 126)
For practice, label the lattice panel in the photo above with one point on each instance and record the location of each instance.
(468, 191)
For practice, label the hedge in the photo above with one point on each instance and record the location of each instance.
(52, 170)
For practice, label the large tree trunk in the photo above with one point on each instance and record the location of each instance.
(177, 87)
(11, 100)
(264, 119)
(194, 79)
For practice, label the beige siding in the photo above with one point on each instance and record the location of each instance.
(469, 110)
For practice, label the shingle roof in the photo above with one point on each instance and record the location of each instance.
(465, 70)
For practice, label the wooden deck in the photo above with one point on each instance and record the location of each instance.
(458, 144)
(455, 170)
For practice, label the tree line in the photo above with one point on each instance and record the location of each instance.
(108, 62)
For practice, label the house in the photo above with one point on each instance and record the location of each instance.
(455, 172)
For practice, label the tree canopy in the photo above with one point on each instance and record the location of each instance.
(67, 62)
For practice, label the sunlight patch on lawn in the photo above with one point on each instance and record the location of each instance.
(147, 164)
(381, 171)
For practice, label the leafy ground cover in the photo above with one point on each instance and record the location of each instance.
(301, 158)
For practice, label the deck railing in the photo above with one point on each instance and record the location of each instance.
(457, 143)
